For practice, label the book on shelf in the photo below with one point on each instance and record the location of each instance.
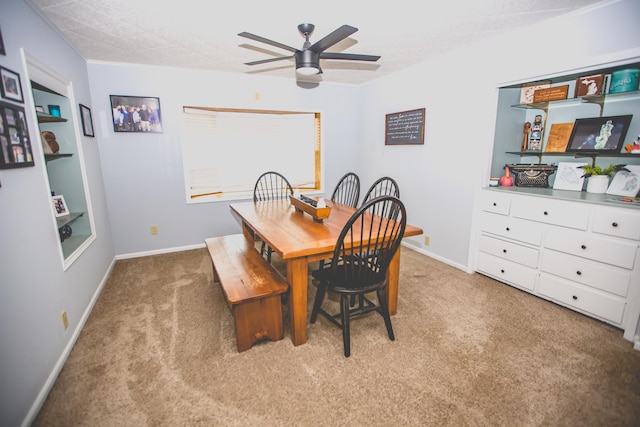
(589, 85)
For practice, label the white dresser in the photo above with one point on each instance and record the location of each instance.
(575, 249)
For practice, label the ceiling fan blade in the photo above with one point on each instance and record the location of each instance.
(348, 56)
(267, 41)
(333, 38)
(265, 61)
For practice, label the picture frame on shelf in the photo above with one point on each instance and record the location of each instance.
(59, 206)
(558, 138)
(87, 121)
(599, 134)
(625, 182)
(527, 91)
(569, 176)
(589, 85)
(136, 114)
(10, 87)
(15, 142)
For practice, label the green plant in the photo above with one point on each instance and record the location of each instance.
(590, 170)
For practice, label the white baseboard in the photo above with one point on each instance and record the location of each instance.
(159, 251)
(46, 388)
(415, 246)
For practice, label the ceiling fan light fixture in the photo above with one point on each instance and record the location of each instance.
(307, 62)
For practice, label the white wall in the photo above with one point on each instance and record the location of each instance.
(438, 181)
(34, 288)
(143, 181)
(143, 172)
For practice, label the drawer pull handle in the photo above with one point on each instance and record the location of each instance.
(579, 273)
(501, 271)
(507, 228)
(584, 246)
(495, 204)
(504, 251)
(575, 297)
(615, 224)
(546, 213)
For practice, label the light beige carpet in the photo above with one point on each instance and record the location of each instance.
(159, 350)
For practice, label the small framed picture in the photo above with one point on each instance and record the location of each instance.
(87, 121)
(11, 87)
(626, 182)
(569, 176)
(15, 142)
(603, 134)
(136, 114)
(2, 51)
(59, 206)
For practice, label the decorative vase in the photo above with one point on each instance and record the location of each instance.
(597, 184)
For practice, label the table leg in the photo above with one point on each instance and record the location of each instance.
(298, 278)
(393, 276)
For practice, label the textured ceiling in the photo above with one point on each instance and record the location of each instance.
(203, 34)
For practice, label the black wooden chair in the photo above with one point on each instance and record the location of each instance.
(384, 186)
(271, 186)
(358, 269)
(347, 190)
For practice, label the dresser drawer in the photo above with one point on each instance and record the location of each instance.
(506, 271)
(585, 245)
(510, 251)
(617, 222)
(492, 201)
(565, 214)
(587, 272)
(512, 228)
(604, 306)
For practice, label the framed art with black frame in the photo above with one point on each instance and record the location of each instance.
(87, 121)
(136, 114)
(601, 134)
(11, 87)
(2, 51)
(15, 144)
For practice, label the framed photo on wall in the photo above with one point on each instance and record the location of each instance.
(11, 88)
(604, 134)
(15, 143)
(87, 122)
(136, 114)
(2, 50)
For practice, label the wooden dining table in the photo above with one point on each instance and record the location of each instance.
(300, 240)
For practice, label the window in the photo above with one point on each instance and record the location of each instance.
(226, 150)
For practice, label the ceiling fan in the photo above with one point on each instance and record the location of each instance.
(308, 59)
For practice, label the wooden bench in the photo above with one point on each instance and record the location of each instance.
(253, 289)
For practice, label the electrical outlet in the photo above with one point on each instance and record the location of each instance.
(65, 319)
(427, 240)
(154, 229)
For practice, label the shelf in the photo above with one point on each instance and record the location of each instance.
(50, 157)
(591, 99)
(590, 154)
(570, 154)
(48, 118)
(68, 219)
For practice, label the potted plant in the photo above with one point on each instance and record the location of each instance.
(598, 178)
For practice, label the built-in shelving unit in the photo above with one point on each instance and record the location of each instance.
(577, 249)
(64, 171)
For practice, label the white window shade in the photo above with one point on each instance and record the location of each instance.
(225, 151)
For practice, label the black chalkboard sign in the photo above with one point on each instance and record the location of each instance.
(405, 128)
